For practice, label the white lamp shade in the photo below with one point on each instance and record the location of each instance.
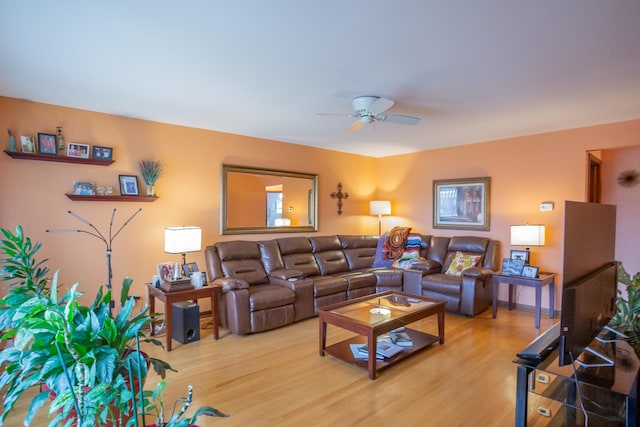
(380, 207)
(180, 240)
(527, 235)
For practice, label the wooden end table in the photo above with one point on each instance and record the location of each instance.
(538, 283)
(168, 298)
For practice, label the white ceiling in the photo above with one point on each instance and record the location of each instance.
(473, 70)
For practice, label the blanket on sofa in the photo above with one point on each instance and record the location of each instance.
(397, 248)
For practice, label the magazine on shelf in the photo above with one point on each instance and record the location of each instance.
(401, 338)
(384, 349)
(359, 354)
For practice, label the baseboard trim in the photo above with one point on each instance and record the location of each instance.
(531, 308)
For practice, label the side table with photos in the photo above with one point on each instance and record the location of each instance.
(538, 281)
(168, 298)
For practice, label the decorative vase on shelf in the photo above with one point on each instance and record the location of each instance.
(150, 171)
(149, 189)
(12, 141)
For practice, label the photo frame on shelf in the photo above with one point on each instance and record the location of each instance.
(166, 271)
(84, 188)
(518, 254)
(79, 151)
(530, 271)
(129, 185)
(46, 143)
(189, 268)
(512, 267)
(461, 204)
(28, 144)
(102, 153)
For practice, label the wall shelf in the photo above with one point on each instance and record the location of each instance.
(60, 159)
(112, 198)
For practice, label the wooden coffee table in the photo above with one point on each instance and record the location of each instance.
(356, 316)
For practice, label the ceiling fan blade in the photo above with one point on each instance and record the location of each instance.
(381, 105)
(401, 120)
(356, 125)
(336, 115)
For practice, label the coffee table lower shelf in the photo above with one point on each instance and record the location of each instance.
(342, 350)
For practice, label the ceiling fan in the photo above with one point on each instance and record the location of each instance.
(369, 109)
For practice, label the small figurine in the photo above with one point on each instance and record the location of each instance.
(60, 140)
(12, 141)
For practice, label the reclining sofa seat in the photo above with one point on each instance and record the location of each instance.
(298, 254)
(468, 294)
(249, 303)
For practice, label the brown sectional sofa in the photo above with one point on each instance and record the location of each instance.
(273, 283)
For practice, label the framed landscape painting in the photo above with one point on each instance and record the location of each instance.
(461, 204)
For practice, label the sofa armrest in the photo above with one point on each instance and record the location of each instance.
(427, 266)
(478, 272)
(229, 283)
(303, 288)
(476, 292)
(412, 281)
(286, 274)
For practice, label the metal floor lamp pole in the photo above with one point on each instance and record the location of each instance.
(108, 242)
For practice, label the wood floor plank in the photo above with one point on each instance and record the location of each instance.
(277, 378)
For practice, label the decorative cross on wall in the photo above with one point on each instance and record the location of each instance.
(340, 196)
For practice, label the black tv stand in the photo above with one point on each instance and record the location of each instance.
(546, 393)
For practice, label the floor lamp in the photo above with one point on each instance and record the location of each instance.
(380, 207)
(107, 240)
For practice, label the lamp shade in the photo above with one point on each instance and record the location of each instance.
(380, 207)
(179, 240)
(527, 235)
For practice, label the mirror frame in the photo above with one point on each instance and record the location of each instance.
(225, 229)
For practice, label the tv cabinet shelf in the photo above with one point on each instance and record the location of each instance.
(112, 198)
(54, 158)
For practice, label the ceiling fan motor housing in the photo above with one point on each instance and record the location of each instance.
(362, 105)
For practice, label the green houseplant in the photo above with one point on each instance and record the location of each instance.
(627, 317)
(150, 170)
(154, 406)
(80, 356)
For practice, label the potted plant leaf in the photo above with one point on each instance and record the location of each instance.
(150, 170)
(153, 407)
(627, 317)
(80, 356)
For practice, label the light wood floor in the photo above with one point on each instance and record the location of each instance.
(277, 378)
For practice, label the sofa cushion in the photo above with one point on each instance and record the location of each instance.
(359, 251)
(270, 296)
(297, 254)
(328, 285)
(461, 262)
(329, 256)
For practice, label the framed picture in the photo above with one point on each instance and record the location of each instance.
(166, 271)
(28, 144)
(129, 185)
(461, 204)
(189, 268)
(80, 151)
(512, 267)
(84, 188)
(523, 255)
(102, 153)
(530, 271)
(46, 143)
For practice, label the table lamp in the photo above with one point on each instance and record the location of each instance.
(180, 240)
(527, 235)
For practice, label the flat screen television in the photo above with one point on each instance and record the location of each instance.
(588, 304)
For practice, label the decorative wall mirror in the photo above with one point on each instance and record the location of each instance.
(257, 200)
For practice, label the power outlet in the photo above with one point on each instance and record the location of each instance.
(542, 378)
(544, 411)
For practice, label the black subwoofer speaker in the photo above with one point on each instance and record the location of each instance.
(185, 323)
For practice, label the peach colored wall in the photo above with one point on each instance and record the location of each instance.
(524, 172)
(627, 200)
(32, 192)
